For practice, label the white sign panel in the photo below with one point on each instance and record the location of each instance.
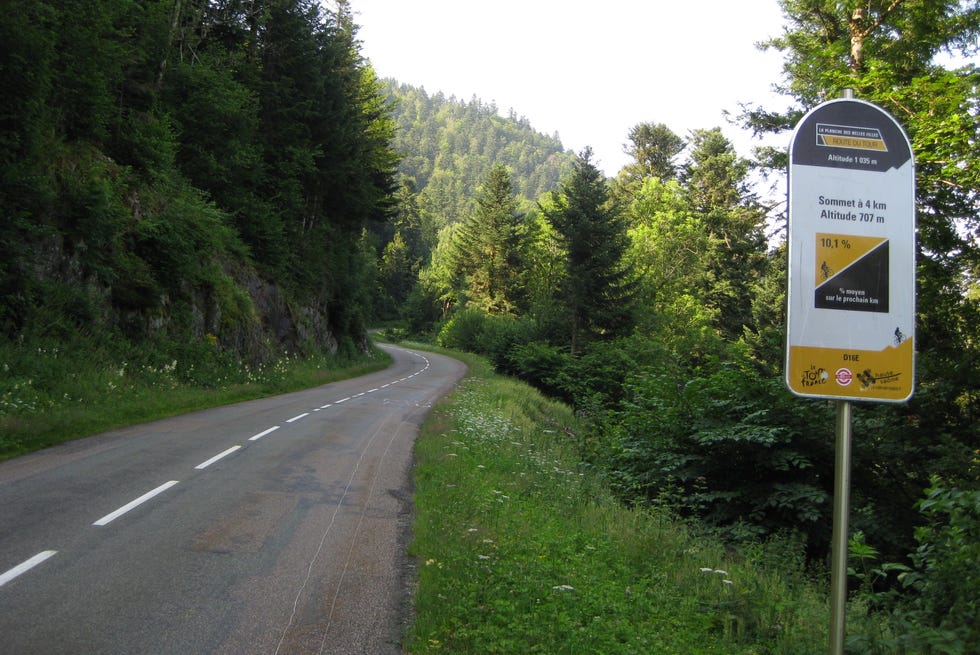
(851, 299)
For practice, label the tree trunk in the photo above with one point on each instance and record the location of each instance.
(170, 41)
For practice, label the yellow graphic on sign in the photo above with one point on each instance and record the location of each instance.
(835, 252)
(850, 136)
(853, 374)
(852, 142)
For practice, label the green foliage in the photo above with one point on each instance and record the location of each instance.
(462, 331)
(149, 148)
(539, 364)
(455, 158)
(395, 276)
(499, 337)
(668, 246)
(654, 148)
(940, 617)
(741, 452)
(933, 608)
(717, 191)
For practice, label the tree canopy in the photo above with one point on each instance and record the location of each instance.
(167, 148)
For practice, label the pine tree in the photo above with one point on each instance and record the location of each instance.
(596, 288)
(654, 147)
(716, 186)
(488, 246)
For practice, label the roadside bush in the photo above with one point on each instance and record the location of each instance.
(597, 377)
(941, 615)
(421, 312)
(495, 337)
(732, 449)
(537, 364)
(500, 335)
(462, 331)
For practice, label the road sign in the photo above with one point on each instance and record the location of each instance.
(851, 300)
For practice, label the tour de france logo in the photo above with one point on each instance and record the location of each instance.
(814, 376)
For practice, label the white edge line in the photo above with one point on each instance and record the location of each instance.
(263, 433)
(224, 453)
(139, 501)
(25, 566)
(296, 418)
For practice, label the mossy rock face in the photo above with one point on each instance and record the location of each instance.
(234, 308)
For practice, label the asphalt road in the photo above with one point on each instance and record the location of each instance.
(272, 526)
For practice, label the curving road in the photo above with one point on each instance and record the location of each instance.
(271, 526)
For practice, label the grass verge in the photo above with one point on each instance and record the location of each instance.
(522, 550)
(50, 394)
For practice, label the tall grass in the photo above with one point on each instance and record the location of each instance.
(521, 549)
(52, 392)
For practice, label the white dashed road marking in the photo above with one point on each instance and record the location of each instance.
(108, 518)
(224, 453)
(26, 566)
(263, 433)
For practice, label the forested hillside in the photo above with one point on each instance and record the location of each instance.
(189, 172)
(448, 147)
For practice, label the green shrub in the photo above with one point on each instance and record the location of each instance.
(735, 450)
(462, 331)
(942, 614)
(500, 334)
(538, 364)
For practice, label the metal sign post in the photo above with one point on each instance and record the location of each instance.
(851, 294)
(838, 539)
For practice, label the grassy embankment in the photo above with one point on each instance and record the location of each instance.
(50, 394)
(522, 550)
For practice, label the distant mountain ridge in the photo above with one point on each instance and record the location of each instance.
(448, 146)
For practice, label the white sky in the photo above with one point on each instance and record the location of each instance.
(587, 70)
